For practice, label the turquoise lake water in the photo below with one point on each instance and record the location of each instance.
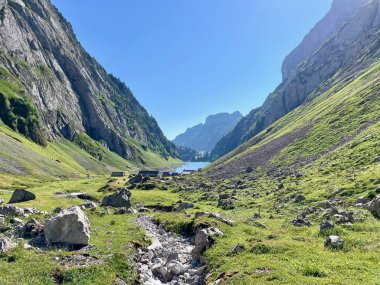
(192, 166)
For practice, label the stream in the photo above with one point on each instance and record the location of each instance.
(168, 259)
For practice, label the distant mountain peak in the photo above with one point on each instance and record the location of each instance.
(204, 136)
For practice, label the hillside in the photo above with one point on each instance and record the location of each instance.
(296, 202)
(339, 49)
(52, 90)
(203, 137)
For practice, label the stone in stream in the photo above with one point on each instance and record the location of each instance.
(119, 199)
(70, 227)
(21, 195)
(203, 239)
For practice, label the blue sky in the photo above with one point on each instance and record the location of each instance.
(187, 59)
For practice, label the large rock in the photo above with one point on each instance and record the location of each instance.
(6, 244)
(119, 199)
(21, 195)
(70, 227)
(374, 207)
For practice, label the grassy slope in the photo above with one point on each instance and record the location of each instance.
(24, 162)
(338, 161)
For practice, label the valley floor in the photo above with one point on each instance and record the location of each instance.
(259, 245)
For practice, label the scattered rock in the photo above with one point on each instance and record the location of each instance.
(236, 250)
(222, 219)
(11, 210)
(299, 198)
(136, 179)
(183, 206)
(224, 196)
(326, 205)
(262, 270)
(6, 244)
(119, 199)
(226, 204)
(70, 227)
(31, 229)
(301, 222)
(374, 207)
(326, 225)
(89, 205)
(334, 242)
(21, 195)
(143, 210)
(118, 281)
(148, 186)
(343, 217)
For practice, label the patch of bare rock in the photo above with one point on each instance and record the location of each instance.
(172, 259)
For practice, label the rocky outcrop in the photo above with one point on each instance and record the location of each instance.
(341, 11)
(352, 47)
(203, 137)
(21, 195)
(65, 88)
(70, 227)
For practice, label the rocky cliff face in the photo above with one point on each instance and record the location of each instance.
(348, 42)
(341, 12)
(69, 91)
(203, 137)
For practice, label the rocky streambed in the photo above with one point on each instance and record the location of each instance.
(168, 260)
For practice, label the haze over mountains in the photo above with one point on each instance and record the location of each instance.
(203, 137)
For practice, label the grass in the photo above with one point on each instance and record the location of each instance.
(111, 237)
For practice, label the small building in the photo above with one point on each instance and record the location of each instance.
(186, 172)
(174, 174)
(166, 174)
(118, 174)
(149, 173)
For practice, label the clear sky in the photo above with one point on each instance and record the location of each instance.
(187, 59)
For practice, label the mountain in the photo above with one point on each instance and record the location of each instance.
(336, 42)
(52, 89)
(203, 137)
(324, 105)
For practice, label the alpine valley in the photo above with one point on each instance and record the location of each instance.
(292, 197)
